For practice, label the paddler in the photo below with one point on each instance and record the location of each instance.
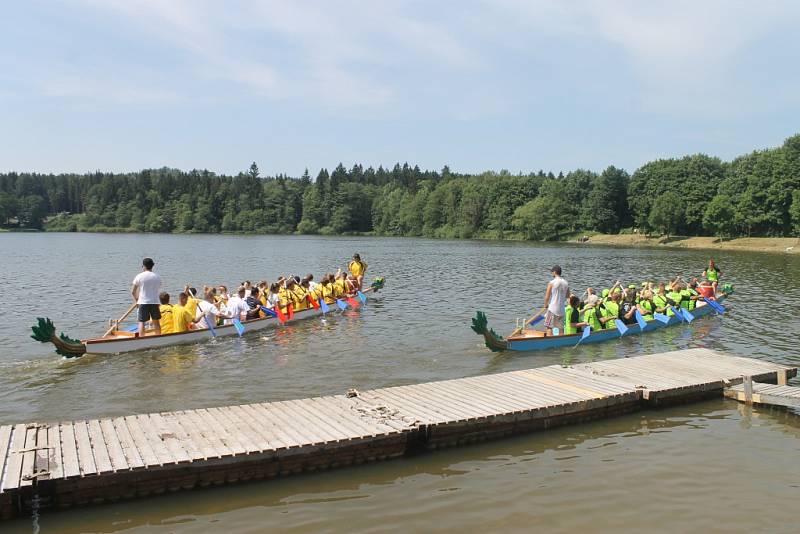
(166, 322)
(145, 289)
(590, 311)
(358, 268)
(572, 316)
(610, 311)
(645, 305)
(181, 318)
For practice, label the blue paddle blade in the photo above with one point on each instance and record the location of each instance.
(537, 320)
(661, 318)
(362, 297)
(342, 304)
(621, 327)
(324, 306)
(586, 331)
(269, 312)
(210, 326)
(687, 315)
(132, 328)
(677, 313)
(719, 308)
(237, 324)
(640, 319)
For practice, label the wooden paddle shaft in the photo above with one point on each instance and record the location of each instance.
(116, 323)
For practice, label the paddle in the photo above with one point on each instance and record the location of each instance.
(210, 326)
(124, 316)
(531, 322)
(621, 327)
(660, 317)
(362, 297)
(342, 304)
(687, 315)
(324, 306)
(269, 312)
(719, 308)
(290, 311)
(353, 302)
(586, 331)
(237, 324)
(640, 320)
(314, 303)
(280, 314)
(677, 312)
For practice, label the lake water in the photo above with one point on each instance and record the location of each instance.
(714, 465)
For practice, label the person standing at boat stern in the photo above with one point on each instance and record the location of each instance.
(145, 289)
(555, 298)
(358, 268)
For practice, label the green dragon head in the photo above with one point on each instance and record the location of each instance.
(377, 284)
(45, 332)
(480, 325)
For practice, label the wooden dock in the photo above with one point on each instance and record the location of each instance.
(92, 461)
(779, 394)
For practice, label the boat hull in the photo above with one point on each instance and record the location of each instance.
(118, 345)
(542, 343)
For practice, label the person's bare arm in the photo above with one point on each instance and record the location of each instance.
(547, 296)
(135, 292)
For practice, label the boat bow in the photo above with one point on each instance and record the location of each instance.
(494, 341)
(45, 331)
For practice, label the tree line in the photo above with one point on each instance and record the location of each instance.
(757, 194)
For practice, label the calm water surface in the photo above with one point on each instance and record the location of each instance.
(711, 465)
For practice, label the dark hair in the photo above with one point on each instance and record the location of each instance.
(163, 297)
(574, 300)
(192, 292)
(356, 257)
(309, 277)
(183, 296)
(556, 269)
(148, 263)
(274, 287)
(254, 292)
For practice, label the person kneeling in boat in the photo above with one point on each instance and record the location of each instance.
(645, 305)
(572, 316)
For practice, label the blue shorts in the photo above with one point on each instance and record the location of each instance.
(148, 312)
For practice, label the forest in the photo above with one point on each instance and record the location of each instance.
(757, 194)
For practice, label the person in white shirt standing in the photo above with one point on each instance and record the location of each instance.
(145, 289)
(555, 298)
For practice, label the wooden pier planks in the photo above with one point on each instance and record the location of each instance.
(766, 394)
(329, 431)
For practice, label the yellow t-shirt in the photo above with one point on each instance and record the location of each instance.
(181, 318)
(357, 268)
(339, 288)
(300, 300)
(191, 305)
(327, 293)
(166, 320)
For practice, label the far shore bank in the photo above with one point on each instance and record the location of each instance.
(783, 245)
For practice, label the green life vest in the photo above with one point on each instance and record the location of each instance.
(711, 275)
(687, 302)
(590, 317)
(660, 301)
(676, 298)
(611, 309)
(647, 305)
(568, 328)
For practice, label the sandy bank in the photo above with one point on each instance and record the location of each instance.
(784, 245)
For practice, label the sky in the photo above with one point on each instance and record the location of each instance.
(521, 85)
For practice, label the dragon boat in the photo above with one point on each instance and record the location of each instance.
(530, 340)
(120, 340)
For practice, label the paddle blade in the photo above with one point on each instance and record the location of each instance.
(661, 318)
(269, 312)
(640, 320)
(586, 331)
(353, 302)
(290, 311)
(362, 297)
(687, 315)
(237, 324)
(677, 313)
(280, 314)
(324, 306)
(342, 304)
(719, 308)
(621, 327)
(537, 320)
(210, 326)
(313, 302)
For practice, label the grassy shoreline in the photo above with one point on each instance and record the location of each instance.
(783, 245)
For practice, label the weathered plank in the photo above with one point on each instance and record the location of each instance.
(69, 450)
